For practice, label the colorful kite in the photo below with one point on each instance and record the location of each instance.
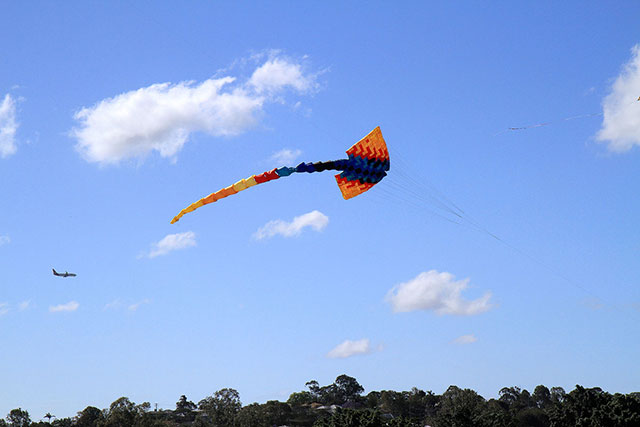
(367, 164)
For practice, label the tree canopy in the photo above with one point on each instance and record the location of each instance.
(342, 404)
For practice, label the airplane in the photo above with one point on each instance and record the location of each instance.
(65, 274)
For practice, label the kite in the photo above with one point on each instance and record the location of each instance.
(367, 164)
(65, 274)
(566, 119)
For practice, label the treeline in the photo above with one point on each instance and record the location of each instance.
(342, 404)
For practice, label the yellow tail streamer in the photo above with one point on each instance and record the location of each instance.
(243, 184)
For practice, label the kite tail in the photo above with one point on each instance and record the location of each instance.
(367, 164)
(243, 184)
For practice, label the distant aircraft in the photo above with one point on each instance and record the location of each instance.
(65, 274)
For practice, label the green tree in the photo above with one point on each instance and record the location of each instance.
(624, 410)
(392, 402)
(459, 408)
(300, 398)
(249, 416)
(494, 414)
(63, 422)
(304, 415)
(88, 417)
(275, 413)
(314, 390)
(351, 418)
(432, 403)
(581, 407)
(516, 400)
(510, 396)
(372, 400)
(184, 412)
(272, 413)
(347, 389)
(557, 394)
(19, 418)
(416, 404)
(222, 407)
(121, 413)
(541, 397)
(184, 405)
(532, 417)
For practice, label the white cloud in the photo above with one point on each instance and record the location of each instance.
(350, 348)
(4, 308)
(465, 339)
(162, 116)
(117, 304)
(621, 108)
(278, 73)
(436, 291)
(8, 126)
(314, 219)
(70, 306)
(24, 305)
(285, 157)
(172, 242)
(134, 307)
(4, 240)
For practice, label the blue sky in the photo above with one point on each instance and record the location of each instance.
(114, 117)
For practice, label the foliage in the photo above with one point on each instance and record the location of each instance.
(300, 398)
(185, 410)
(88, 417)
(19, 418)
(221, 408)
(341, 404)
(595, 407)
(352, 418)
(459, 407)
(364, 418)
(344, 389)
(272, 413)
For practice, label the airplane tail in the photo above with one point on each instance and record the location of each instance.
(54, 271)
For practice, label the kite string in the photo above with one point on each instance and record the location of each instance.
(427, 194)
(443, 203)
(382, 194)
(566, 119)
(435, 194)
(464, 219)
(537, 125)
